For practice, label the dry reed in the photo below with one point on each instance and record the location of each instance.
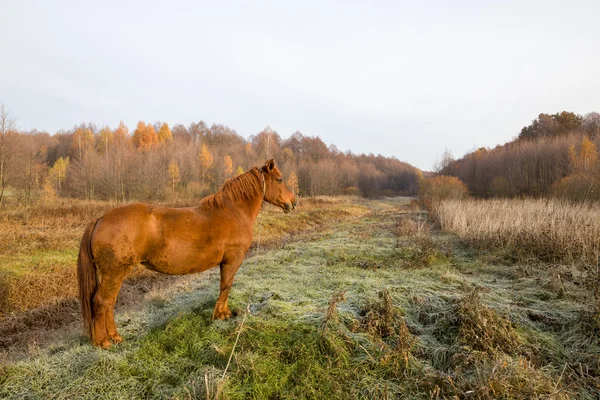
(548, 230)
(552, 230)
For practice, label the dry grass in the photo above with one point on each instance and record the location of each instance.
(414, 235)
(38, 250)
(484, 356)
(552, 230)
(54, 226)
(35, 288)
(555, 241)
(482, 328)
(332, 313)
(384, 322)
(546, 230)
(413, 227)
(272, 229)
(505, 377)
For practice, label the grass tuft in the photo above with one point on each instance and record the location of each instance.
(381, 318)
(332, 313)
(482, 328)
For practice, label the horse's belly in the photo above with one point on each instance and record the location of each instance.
(176, 263)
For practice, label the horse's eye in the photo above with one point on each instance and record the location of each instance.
(279, 180)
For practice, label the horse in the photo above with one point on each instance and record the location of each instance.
(175, 241)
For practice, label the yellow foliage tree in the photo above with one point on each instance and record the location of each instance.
(586, 159)
(174, 173)
(292, 182)
(58, 172)
(121, 133)
(239, 170)
(228, 166)
(206, 161)
(582, 184)
(164, 134)
(144, 136)
(83, 139)
(106, 138)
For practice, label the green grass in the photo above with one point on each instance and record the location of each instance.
(348, 311)
(39, 260)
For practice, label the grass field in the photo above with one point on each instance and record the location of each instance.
(344, 299)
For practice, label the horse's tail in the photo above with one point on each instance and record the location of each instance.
(86, 275)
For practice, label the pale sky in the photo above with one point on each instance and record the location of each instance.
(399, 78)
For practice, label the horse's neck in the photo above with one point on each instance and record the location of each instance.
(253, 205)
(248, 206)
(251, 208)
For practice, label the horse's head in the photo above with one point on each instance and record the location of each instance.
(276, 192)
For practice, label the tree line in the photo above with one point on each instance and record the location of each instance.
(554, 155)
(156, 162)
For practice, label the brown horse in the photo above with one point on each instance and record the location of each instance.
(172, 241)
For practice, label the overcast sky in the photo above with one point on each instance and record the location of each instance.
(404, 79)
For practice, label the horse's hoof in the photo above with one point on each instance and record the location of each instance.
(222, 315)
(116, 338)
(105, 344)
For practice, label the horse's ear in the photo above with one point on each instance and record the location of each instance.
(269, 165)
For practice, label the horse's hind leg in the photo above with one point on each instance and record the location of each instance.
(105, 298)
(101, 305)
(111, 327)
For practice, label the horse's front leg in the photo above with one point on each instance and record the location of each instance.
(228, 270)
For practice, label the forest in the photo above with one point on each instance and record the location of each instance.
(555, 155)
(157, 162)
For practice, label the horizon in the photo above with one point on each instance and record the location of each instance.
(401, 80)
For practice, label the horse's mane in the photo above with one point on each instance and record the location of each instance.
(242, 187)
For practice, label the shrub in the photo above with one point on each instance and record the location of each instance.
(500, 187)
(442, 187)
(578, 187)
(352, 191)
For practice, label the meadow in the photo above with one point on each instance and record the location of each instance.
(345, 298)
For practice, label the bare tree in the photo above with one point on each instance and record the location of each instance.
(445, 161)
(7, 132)
(591, 124)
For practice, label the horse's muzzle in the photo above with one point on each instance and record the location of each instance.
(290, 207)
